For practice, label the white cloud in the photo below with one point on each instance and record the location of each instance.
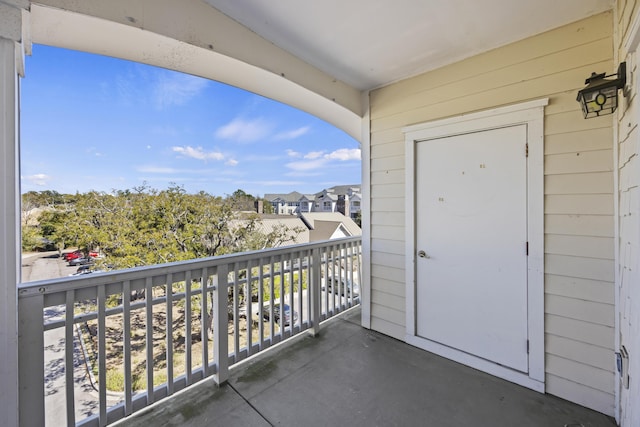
(198, 153)
(306, 165)
(292, 134)
(345, 154)
(231, 162)
(292, 153)
(171, 88)
(244, 130)
(313, 155)
(317, 159)
(40, 179)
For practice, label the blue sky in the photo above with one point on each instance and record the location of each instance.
(90, 122)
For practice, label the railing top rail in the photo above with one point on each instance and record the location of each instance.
(44, 287)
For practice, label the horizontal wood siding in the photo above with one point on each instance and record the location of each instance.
(629, 216)
(579, 202)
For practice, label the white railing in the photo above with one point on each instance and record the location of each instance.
(136, 336)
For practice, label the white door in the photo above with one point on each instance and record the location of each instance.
(471, 242)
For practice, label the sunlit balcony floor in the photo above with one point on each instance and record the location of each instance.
(355, 377)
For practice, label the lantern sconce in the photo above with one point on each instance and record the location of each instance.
(600, 95)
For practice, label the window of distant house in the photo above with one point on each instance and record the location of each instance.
(327, 205)
(355, 204)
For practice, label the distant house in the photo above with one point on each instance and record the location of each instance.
(285, 204)
(345, 199)
(326, 201)
(306, 228)
(341, 198)
(297, 231)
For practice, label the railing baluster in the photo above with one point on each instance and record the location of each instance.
(260, 303)
(349, 274)
(169, 337)
(291, 288)
(204, 323)
(188, 314)
(331, 293)
(272, 297)
(341, 276)
(359, 267)
(308, 269)
(247, 308)
(220, 322)
(236, 303)
(126, 345)
(102, 356)
(68, 359)
(148, 300)
(301, 292)
(281, 318)
(315, 290)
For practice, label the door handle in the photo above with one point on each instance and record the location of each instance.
(423, 254)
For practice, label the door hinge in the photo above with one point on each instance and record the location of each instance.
(527, 346)
(527, 248)
(526, 149)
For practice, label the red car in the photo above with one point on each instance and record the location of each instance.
(72, 255)
(93, 254)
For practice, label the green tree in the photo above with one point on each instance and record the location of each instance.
(145, 226)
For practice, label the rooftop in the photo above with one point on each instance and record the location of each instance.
(353, 376)
(332, 220)
(293, 196)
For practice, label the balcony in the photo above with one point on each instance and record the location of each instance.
(184, 367)
(352, 376)
(97, 348)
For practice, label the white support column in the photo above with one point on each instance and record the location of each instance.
(365, 215)
(11, 27)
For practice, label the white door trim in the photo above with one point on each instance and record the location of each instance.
(532, 114)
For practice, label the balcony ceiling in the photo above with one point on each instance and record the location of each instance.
(368, 44)
(318, 56)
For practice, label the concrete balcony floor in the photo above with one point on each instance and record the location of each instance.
(355, 377)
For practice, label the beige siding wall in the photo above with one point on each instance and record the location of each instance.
(579, 207)
(629, 217)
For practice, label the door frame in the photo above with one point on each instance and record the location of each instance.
(532, 115)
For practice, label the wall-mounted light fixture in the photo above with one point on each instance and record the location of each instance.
(600, 96)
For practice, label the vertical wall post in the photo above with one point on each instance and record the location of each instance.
(315, 289)
(220, 321)
(10, 63)
(365, 215)
(31, 350)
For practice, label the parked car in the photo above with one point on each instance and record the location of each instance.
(68, 256)
(266, 313)
(344, 287)
(80, 261)
(86, 269)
